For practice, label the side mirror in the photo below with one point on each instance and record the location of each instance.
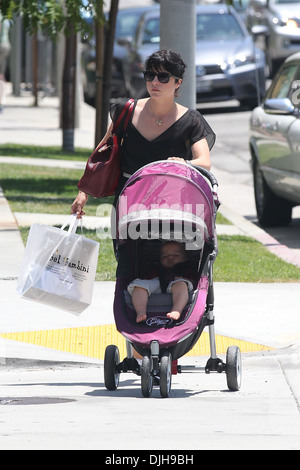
(124, 41)
(259, 30)
(279, 106)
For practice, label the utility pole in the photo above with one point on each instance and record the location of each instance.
(178, 32)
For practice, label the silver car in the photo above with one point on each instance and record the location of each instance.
(275, 147)
(282, 18)
(228, 64)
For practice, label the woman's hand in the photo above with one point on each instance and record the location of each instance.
(178, 159)
(201, 155)
(78, 204)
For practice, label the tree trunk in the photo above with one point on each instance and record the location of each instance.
(107, 67)
(99, 31)
(35, 68)
(68, 90)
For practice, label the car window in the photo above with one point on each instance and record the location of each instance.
(286, 1)
(126, 24)
(152, 31)
(240, 4)
(295, 89)
(282, 86)
(218, 26)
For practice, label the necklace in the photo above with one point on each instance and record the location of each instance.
(159, 122)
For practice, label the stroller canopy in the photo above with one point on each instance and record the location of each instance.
(164, 197)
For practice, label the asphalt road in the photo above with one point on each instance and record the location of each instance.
(230, 159)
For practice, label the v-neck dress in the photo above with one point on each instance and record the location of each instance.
(176, 141)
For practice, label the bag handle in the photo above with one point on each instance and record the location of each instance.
(73, 222)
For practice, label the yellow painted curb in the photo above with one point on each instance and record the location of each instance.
(91, 341)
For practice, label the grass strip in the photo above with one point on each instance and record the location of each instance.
(46, 190)
(240, 259)
(50, 190)
(38, 151)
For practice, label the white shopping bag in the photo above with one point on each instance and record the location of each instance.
(59, 267)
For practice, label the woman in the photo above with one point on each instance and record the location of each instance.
(160, 128)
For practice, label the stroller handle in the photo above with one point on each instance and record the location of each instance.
(207, 174)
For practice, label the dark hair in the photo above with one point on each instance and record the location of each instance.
(168, 60)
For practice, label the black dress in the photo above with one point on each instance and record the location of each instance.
(176, 141)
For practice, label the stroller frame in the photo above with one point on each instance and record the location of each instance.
(157, 365)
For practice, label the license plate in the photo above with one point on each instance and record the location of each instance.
(204, 86)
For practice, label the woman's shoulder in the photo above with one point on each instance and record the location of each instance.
(195, 118)
(140, 104)
(194, 114)
(116, 108)
(181, 110)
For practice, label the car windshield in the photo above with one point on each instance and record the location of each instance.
(126, 24)
(209, 26)
(152, 31)
(218, 26)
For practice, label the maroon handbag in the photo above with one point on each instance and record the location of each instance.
(103, 169)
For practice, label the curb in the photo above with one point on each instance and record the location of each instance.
(252, 230)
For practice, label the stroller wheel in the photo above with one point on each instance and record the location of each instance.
(111, 360)
(234, 368)
(146, 376)
(165, 375)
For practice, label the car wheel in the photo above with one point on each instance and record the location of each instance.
(271, 209)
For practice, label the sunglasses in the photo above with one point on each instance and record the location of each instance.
(163, 77)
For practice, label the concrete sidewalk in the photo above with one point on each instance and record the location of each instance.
(23, 123)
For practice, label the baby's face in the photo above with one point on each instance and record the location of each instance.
(171, 254)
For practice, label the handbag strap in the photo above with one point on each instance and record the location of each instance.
(128, 108)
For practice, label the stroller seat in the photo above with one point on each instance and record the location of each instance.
(157, 302)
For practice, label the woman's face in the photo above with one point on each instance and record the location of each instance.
(156, 88)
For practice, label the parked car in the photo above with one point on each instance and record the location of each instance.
(275, 147)
(228, 64)
(282, 19)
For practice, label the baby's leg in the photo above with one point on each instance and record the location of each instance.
(180, 297)
(140, 300)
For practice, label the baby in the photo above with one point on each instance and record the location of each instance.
(173, 277)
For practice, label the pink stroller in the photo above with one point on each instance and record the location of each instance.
(166, 200)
